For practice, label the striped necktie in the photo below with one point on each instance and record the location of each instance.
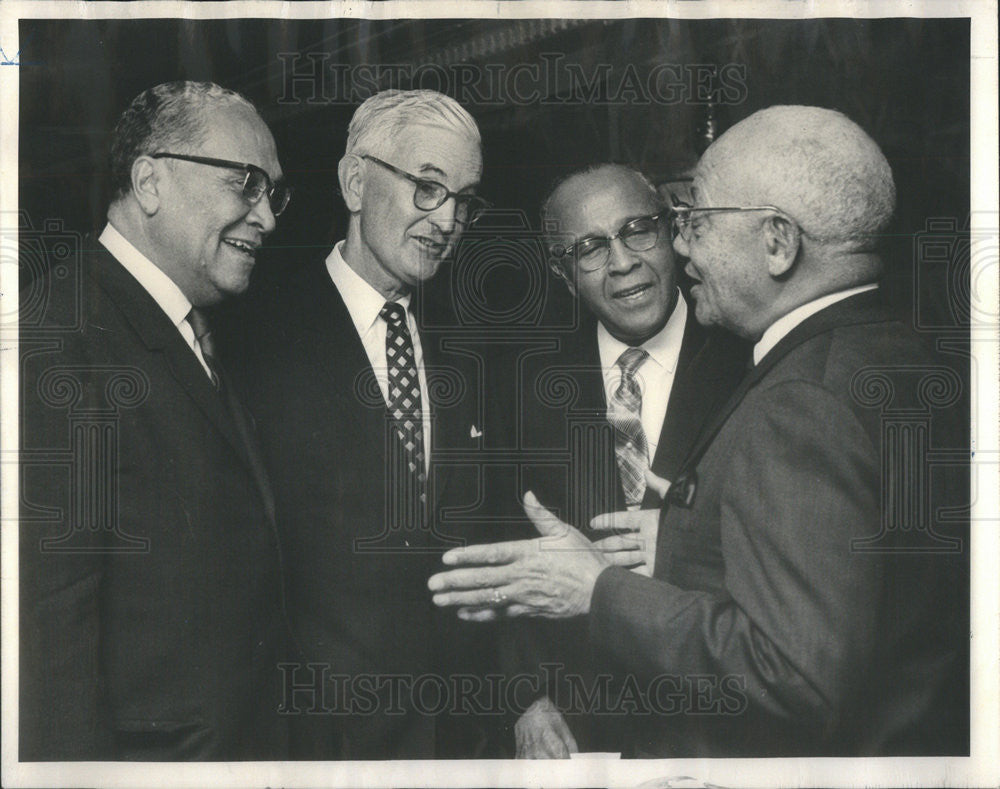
(625, 415)
(203, 334)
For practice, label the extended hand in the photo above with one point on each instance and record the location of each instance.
(542, 733)
(635, 546)
(552, 576)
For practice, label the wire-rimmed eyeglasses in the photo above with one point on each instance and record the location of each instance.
(256, 181)
(430, 195)
(593, 252)
(685, 214)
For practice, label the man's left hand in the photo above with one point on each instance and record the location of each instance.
(552, 576)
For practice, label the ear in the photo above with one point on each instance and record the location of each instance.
(556, 267)
(352, 182)
(782, 239)
(146, 185)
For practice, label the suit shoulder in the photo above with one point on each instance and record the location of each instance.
(842, 351)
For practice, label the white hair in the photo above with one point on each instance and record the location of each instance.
(814, 163)
(378, 122)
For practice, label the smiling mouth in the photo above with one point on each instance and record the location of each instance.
(432, 248)
(633, 293)
(246, 247)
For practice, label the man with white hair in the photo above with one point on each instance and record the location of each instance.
(806, 599)
(355, 404)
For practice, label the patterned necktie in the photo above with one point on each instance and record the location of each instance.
(404, 390)
(203, 334)
(624, 414)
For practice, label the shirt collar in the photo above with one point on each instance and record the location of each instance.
(364, 303)
(152, 278)
(663, 347)
(781, 327)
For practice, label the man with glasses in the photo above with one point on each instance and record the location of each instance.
(355, 404)
(152, 616)
(810, 590)
(649, 374)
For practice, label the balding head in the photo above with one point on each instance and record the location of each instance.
(816, 164)
(619, 262)
(821, 196)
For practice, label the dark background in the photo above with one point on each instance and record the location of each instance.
(906, 81)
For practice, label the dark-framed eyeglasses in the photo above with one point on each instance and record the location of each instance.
(593, 252)
(430, 195)
(256, 181)
(685, 214)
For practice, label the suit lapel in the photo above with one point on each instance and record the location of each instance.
(685, 406)
(709, 367)
(705, 374)
(442, 435)
(248, 435)
(862, 308)
(594, 398)
(158, 334)
(338, 343)
(342, 357)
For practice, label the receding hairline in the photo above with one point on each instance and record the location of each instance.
(595, 171)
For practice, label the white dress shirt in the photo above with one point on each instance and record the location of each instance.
(157, 284)
(781, 327)
(364, 304)
(655, 376)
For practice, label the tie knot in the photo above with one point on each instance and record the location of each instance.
(199, 323)
(393, 313)
(630, 360)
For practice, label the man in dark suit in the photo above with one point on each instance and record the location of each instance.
(810, 591)
(610, 239)
(358, 409)
(151, 607)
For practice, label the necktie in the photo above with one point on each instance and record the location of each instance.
(404, 391)
(241, 417)
(203, 334)
(624, 414)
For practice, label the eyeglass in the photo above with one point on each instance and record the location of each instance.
(685, 214)
(256, 182)
(430, 195)
(592, 253)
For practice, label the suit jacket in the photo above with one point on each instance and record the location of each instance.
(569, 446)
(150, 583)
(563, 418)
(812, 597)
(359, 563)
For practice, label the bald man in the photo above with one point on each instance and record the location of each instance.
(805, 598)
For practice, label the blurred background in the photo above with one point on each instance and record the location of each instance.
(548, 94)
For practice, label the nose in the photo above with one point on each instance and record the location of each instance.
(443, 217)
(621, 259)
(261, 215)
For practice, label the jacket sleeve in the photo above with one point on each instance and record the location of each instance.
(61, 709)
(795, 619)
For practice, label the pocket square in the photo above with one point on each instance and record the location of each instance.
(475, 432)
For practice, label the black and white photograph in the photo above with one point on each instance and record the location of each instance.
(500, 394)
